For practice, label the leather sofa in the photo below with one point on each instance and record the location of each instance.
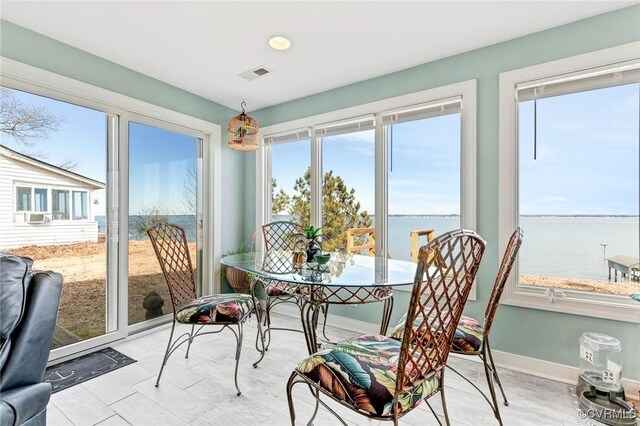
(29, 303)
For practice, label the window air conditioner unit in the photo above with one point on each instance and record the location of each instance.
(36, 218)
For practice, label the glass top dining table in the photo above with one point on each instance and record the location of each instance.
(346, 279)
(342, 270)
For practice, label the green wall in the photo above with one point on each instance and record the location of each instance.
(540, 334)
(32, 48)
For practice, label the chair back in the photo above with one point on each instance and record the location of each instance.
(170, 244)
(506, 265)
(447, 267)
(277, 235)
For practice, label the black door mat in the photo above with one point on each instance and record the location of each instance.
(85, 367)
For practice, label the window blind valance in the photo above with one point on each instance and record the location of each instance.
(351, 125)
(422, 111)
(580, 81)
(289, 136)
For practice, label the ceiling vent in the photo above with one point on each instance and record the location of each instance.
(255, 73)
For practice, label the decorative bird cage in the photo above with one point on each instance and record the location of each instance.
(242, 132)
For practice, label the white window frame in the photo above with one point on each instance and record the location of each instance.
(15, 197)
(119, 109)
(574, 302)
(468, 179)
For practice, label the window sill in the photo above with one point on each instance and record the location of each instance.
(617, 308)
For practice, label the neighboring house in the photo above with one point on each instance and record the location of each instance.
(43, 204)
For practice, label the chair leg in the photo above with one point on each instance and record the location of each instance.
(495, 373)
(444, 400)
(316, 395)
(267, 324)
(325, 312)
(489, 374)
(190, 340)
(238, 351)
(166, 353)
(292, 410)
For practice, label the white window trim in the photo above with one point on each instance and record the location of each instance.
(20, 76)
(50, 188)
(573, 302)
(468, 178)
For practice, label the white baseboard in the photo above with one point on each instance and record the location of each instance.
(533, 366)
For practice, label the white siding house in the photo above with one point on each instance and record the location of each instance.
(41, 204)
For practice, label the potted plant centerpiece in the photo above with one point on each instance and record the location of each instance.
(312, 244)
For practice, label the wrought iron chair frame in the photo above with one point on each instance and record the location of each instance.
(434, 277)
(186, 292)
(491, 373)
(290, 297)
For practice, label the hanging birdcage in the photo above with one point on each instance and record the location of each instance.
(242, 132)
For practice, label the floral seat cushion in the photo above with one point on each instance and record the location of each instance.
(216, 309)
(362, 372)
(281, 288)
(468, 337)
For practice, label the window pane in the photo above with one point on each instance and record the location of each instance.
(162, 188)
(23, 199)
(79, 205)
(424, 182)
(348, 189)
(40, 199)
(70, 156)
(290, 184)
(579, 196)
(60, 204)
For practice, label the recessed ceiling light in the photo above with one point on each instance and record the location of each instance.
(279, 43)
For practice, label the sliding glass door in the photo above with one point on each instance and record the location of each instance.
(53, 159)
(164, 184)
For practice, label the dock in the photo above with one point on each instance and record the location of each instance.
(628, 266)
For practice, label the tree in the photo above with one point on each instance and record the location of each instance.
(340, 210)
(26, 123)
(280, 200)
(148, 217)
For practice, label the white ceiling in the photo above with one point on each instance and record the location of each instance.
(201, 47)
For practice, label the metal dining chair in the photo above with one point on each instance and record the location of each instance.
(472, 338)
(383, 378)
(225, 310)
(282, 236)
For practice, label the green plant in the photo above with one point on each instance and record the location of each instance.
(312, 244)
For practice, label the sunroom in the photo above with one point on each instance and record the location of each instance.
(421, 212)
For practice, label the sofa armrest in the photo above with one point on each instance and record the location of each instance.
(31, 341)
(21, 404)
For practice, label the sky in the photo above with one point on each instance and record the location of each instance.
(587, 157)
(159, 158)
(425, 177)
(587, 153)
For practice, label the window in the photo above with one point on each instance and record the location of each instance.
(575, 153)
(60, 204)
(290, 177)
(40, 200)
(92, 145)
(163, 187)
(80, 205)
(348, 179)
(363, 161)
(424, 174)
(23, 199)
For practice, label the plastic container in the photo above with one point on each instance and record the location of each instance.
(600, 363)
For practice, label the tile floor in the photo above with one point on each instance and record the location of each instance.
(200, 391)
